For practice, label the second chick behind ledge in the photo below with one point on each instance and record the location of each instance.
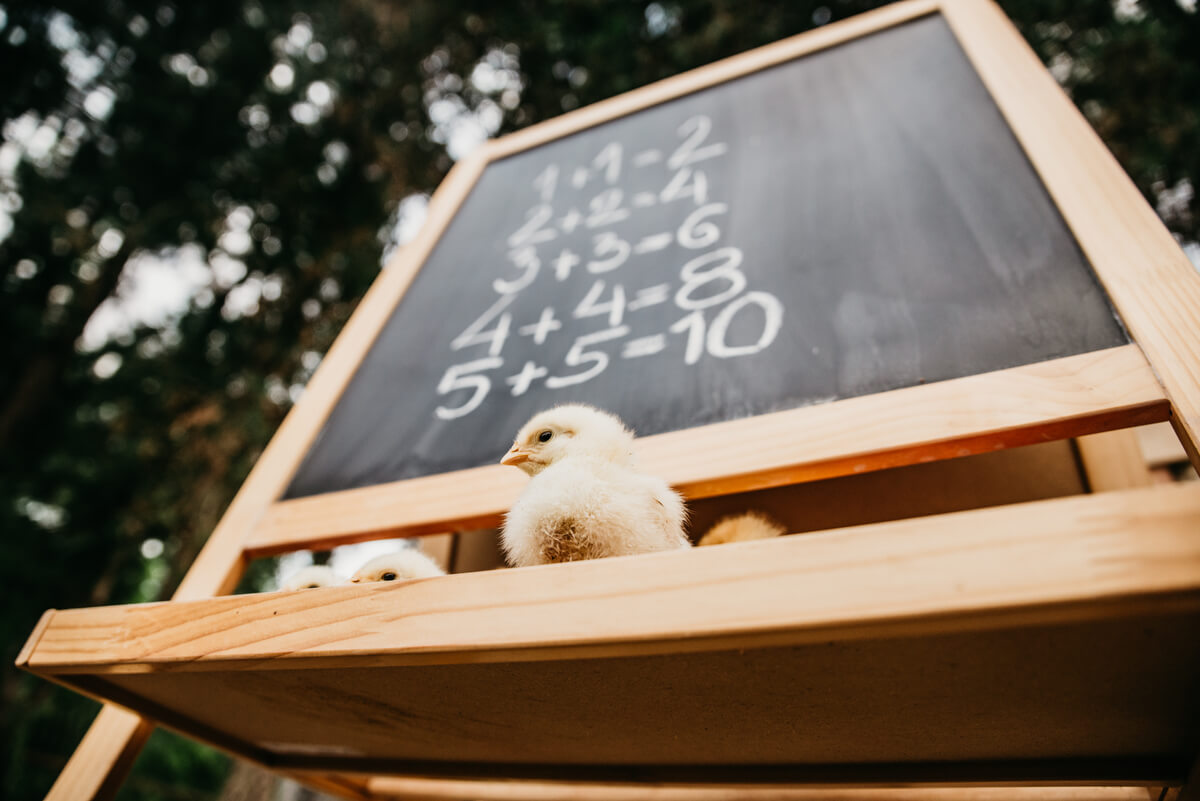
(742, 528)
(408, 563)
(586, 500)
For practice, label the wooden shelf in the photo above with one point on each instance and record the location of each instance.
(1043, 642)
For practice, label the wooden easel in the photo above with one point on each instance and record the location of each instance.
(1151, 283)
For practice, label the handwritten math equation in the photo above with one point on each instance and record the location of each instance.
(710, 292)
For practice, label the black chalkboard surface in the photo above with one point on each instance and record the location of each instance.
(854, 221)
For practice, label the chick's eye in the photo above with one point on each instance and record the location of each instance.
(388, 576)
(545, 436)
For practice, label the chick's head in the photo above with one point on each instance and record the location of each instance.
(311, 577)
(570, 430)
(401, 565)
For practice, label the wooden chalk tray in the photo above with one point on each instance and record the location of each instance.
(1049, 641)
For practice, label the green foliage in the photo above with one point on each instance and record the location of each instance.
(161, 134)
(171, 768)
(1133, 69)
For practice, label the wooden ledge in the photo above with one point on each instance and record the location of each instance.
(1078, 558)
(1038, 642)
(1051, 400)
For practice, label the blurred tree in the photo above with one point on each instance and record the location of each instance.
(193, 197)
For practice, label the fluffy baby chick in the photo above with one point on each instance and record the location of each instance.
(739, 528)
(586, 500)
(405, 564)
(312, 577)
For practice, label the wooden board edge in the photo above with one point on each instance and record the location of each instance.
(1000, 438)
(1151, 282)
(32, 641)
(913, 625)
(99, 765)
(1113, 461)
(129, 745)
(116, 697)
(356, 788)
(407, 787)
(709, 75)
(440, 548)
(277, 536)
(1189, 436)
(103, 758)
(1160, 446)
(477, 498)
(515, 615)
(1083, 770)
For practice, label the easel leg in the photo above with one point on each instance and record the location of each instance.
(104, 757)
(107, 752)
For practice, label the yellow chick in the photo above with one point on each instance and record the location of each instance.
(586, 500)
(312, 577)
(408, 563)
(740, 528)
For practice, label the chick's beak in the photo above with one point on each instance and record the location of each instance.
(515, 456)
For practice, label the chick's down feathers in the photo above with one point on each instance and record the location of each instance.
(586, 499)
(408, 563)
(740, 528)
(311, 577)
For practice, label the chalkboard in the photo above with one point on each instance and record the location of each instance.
(854, 221)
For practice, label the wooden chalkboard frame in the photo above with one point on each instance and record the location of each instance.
(1149, 280)
(1102, 390)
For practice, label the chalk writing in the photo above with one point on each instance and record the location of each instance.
(598, 256)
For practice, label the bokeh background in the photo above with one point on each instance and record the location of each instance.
(194, 196)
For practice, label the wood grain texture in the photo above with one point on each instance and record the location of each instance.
(1150, 280)
(449, 790)
(1071, 557)
(439, 548)
(1113, 461)
(1034, 403)
(1006, 705)
(478, 550)
(1069, 702)
(103, 758)
(1160, 445)
(354, 788)
(34, 636)
(1016, 475)
(1001, 644)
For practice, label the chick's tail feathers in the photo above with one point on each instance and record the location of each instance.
(743, 527)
